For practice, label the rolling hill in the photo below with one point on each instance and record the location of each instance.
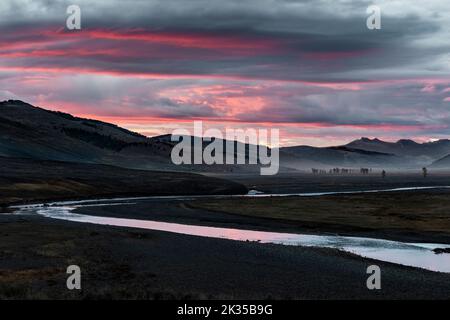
(35, 133)
(426, 152)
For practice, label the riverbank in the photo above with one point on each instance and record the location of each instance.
(29, 181)
(122, 263)
(297, 182)
(407, 216)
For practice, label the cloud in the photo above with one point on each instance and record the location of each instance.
(312, 65)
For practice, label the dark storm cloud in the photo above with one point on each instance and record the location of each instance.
(305, 40)
(312, 63)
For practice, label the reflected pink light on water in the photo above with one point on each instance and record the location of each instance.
(419, 255)
(408, 254)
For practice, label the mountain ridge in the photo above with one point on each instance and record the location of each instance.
(33, 132)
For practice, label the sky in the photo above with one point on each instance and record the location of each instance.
(310, 68)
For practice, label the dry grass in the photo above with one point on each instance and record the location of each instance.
(408, 210)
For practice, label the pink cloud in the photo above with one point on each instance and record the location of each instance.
(429, 88)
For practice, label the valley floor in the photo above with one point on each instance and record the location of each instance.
(122, 263)
(119, 263)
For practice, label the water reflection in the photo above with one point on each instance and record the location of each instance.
(409, 254)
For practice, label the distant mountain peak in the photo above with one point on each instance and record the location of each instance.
(15, 103)
(407, 141)
(440, 141)
(368, 140)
